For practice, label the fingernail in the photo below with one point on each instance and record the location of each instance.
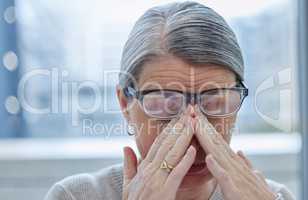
(209, 158)
(193, 123)
(191, 148)
(192, 111)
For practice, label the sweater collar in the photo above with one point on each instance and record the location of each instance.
(117, 182)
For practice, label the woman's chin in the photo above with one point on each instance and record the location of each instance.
(197, 175)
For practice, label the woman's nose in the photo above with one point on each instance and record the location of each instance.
(191, 99)
(192, 113)
(192, 110)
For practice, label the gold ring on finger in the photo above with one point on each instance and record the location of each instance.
(164, 165)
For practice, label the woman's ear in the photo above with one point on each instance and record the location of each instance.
(123, 101)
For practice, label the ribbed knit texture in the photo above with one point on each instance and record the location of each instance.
(107, 184)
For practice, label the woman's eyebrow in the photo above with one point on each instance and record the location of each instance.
(216, 86)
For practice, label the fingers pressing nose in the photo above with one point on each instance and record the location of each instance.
(198, 112)
(200, 116)
(191, 112)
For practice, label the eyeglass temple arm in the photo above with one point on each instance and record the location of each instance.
(245, 86)
(130, 92)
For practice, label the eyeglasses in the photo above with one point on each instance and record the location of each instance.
(167, 104)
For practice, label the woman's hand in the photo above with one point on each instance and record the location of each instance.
(234, 173)
(148, 180)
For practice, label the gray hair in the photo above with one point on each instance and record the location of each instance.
(188, 30)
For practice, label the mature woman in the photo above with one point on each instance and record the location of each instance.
(180, 89)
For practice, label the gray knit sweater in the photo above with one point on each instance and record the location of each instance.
(107, 184)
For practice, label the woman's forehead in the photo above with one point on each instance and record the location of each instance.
(173, 73)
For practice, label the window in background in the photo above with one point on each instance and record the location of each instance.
(78, 45)
(70, 50)
(10, 112)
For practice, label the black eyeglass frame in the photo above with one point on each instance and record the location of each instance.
(131, 92)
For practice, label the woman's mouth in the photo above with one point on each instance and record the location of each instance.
(199, 166)
(198, 169)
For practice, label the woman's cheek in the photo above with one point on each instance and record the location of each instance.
(147, 137)
(144, 142)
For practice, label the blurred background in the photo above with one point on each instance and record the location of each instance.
(57, 54)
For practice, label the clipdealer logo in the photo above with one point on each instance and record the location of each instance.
(281, 82)
(64, 95)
